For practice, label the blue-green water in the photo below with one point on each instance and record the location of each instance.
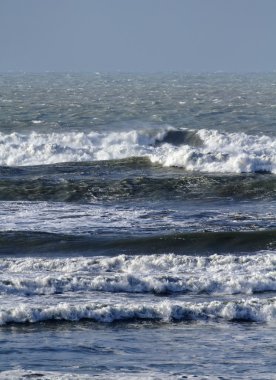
(137, 226)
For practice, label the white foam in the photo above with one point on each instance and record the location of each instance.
(167, 263)
(220, 152)
(253, 309)
(38, 149)
(140, 274)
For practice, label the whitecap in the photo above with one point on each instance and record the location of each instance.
(219, 152)
(251, 310)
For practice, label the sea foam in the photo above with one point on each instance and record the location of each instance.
(222, 152)
(218, 151)
(253, 310)
(157, 274)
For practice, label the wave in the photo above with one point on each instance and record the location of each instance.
(251, 310)
(203, 150)
(158, 274)
(168, 263)
(37, 243)
(141, 187)
(222, 152)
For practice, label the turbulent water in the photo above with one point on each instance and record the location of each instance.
(137, 226)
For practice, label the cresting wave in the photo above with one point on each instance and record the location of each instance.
(203, 150)
(158, 274)
(38, 243)
(253, 310)
(168, 263)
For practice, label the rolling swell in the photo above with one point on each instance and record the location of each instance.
(200, 243)
(90, 187)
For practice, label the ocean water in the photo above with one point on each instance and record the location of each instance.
(137, 226)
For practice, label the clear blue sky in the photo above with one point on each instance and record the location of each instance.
(137, 35)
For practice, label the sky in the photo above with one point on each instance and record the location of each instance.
(137, 35)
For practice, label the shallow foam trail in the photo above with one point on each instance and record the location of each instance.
(205, 151)
(87, 219)
(19, 374)
(158, 274)
(251, 310)
(153, 374)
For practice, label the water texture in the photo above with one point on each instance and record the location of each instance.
(137, 226)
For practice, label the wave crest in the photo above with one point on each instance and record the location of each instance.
(203, 150)
(158, 274)
(252, 310)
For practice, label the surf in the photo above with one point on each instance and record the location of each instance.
(194, 150)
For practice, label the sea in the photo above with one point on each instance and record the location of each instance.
(137, 226)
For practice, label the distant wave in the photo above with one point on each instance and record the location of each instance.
(17, 374)
(203, 150)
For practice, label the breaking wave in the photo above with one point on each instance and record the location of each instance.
(158, 274)
(251, 310)
(203, 150)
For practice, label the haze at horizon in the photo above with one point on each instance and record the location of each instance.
(137, 36)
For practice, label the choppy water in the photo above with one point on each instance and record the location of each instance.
(137, 226)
